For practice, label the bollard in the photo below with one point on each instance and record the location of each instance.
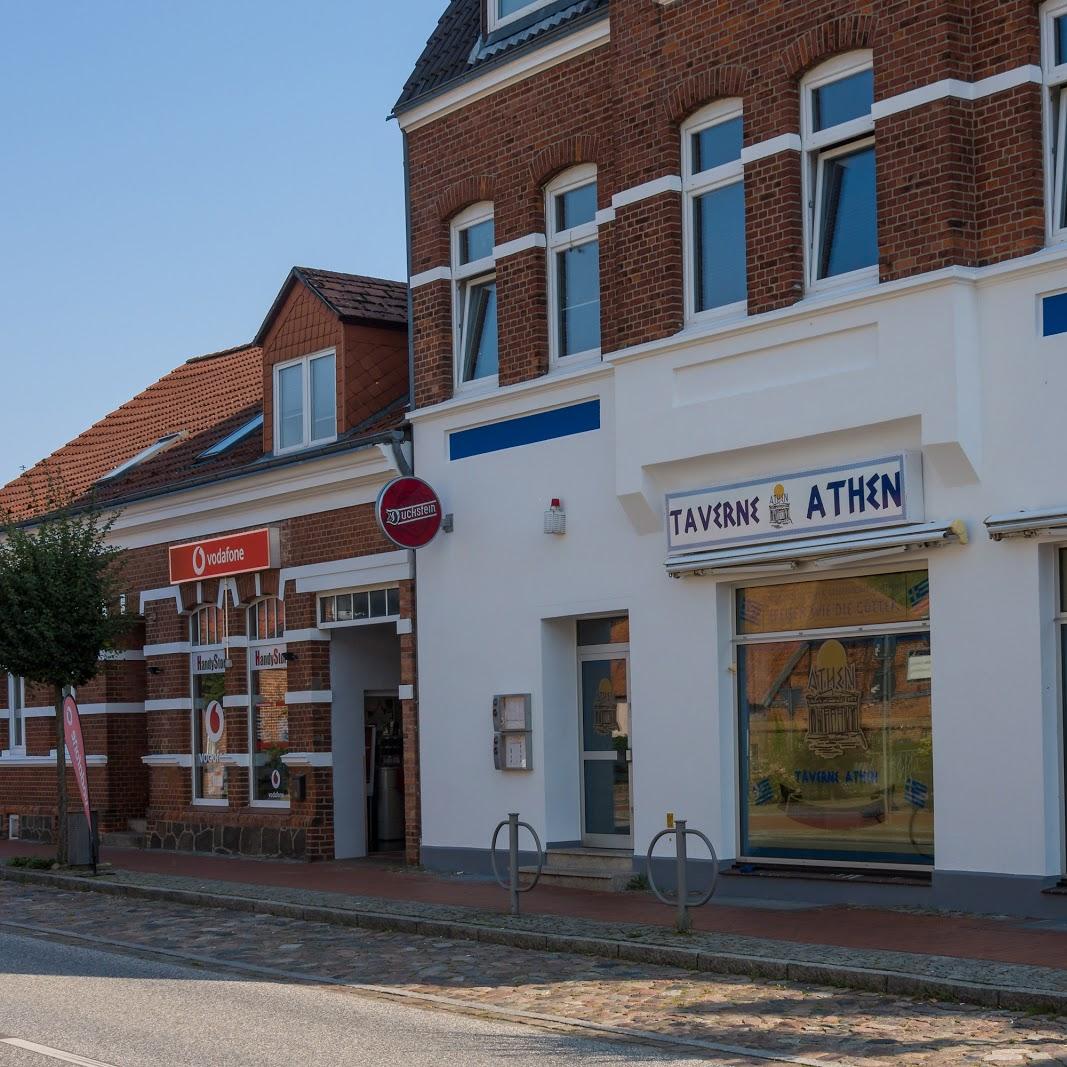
(683, 922)
(513, 823)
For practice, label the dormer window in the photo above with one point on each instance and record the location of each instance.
(504, 12)
(305, 402)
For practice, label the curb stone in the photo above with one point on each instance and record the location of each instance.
(864, 979)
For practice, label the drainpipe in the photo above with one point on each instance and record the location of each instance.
(411, 311)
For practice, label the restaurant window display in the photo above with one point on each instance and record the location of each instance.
(268, 719)
(208, 669)
(834, 700)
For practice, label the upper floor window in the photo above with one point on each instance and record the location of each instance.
(714, 187)
(266, 620)
(573, 264)
(502, 12)
(206, 626)
(1054, 65)
(16, 723)
(305, 401)
(837, 130)
(474, 296)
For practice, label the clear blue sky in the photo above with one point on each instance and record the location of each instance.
(163, 165)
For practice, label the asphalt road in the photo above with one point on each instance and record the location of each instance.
(82, 1006)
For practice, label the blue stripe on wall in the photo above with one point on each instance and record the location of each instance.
(527, 430)
(1054, 314)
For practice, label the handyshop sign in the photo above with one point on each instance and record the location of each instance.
(878, 492)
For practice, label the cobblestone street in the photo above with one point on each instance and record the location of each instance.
(790, 1021)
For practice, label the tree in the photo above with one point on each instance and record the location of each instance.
(60, 609)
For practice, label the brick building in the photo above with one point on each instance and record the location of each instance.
(266, 711)
(738, 340)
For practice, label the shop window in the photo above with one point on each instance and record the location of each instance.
(573, 265)
(268, 714)
(474, 296)
(1054, 66)
(305, 402)
(366, 605)
(16, 720)
(833, 682)
(208, 684)
(503, 12)
(837, 130)
(714, 190)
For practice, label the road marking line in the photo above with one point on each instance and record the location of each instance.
(52, 1053)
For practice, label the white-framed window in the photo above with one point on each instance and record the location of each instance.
(16, 720)
(837, 131)
(474, 297)
(206, 627)
(503, 12)
(359, 607)
(268, 714)
(573, 265)
(207, 683)
(1054, 67)
(713, 182)
(305, 401)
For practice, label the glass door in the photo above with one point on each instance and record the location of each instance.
(607, 809)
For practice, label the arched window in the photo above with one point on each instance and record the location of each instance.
(1054, 68)
(206, 627)
(714, 187)
(837, 130)
(573, 265)
(266, 620)
(268, 714)
(474, 296)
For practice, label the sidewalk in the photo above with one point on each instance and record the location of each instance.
(989, 961)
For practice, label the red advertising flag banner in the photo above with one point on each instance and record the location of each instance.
(222, 557)
(72, 733)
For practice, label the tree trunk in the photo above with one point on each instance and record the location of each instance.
(61, 782)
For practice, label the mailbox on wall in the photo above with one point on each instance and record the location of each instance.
(512, 732)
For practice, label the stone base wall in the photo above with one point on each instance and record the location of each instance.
(265, 842)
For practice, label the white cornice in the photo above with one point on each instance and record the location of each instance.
(785, 142)
(428, 277)
(520, 244)
(500, 77)
(669, 183)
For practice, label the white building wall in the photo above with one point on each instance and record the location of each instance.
(952, 365)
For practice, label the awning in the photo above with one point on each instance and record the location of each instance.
(818, 553)
(1044, 523)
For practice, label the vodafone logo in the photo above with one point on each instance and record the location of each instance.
(199, 561)
(276, 778)
(214, 722)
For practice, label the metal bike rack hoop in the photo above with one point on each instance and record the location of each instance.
(492, 856)
(683, 830)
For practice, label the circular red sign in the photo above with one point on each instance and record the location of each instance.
(409, 512)
(214, 722)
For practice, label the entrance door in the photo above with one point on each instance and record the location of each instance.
(607, 809)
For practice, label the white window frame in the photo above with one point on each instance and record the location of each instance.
(560, 241)
(213, 646)
(1054, 119)
(373, 620)
(695, 186)
(820, 146)
(251, 612)
(305, 386)
(495, 21)
(464, 277)
(16, 688)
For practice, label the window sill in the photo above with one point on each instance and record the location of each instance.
(579, 361)
(269, 805)
(853, 281)
(305, 446)
(210, 804)
(477, 387)
(724, 316)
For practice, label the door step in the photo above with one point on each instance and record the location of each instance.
(607, 870)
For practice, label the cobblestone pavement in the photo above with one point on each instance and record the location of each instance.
(978, 971)
(788, 1020)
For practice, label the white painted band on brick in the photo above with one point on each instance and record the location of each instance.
(426, 277)
(785, 142)
(309, 696)
(131, 708)
(169, 704)
(172, 648)
(308, 759)
(235, 700)
(172, 759)
(406, 692)
(520, 244)
(131, 654)
(403, 626)
(604, 216)
(669, 183)
(292, 636)
(960, 90)
(357, 572)
(168, 592)
(7, 760)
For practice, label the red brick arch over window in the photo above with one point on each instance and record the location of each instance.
(551, 160)
(829, 38)
(462, 194)
(716, 83)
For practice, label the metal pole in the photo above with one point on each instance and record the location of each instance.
(513, 855)
(682, 924)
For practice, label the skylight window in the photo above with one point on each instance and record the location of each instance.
(145, 454)
(231, 439)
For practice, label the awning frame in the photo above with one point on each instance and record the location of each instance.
(1043, 523)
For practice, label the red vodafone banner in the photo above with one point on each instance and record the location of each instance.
(221, 557)
(409, 512)
(72, 733)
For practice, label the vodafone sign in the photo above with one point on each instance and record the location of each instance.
(221, 557)
(409, 512)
